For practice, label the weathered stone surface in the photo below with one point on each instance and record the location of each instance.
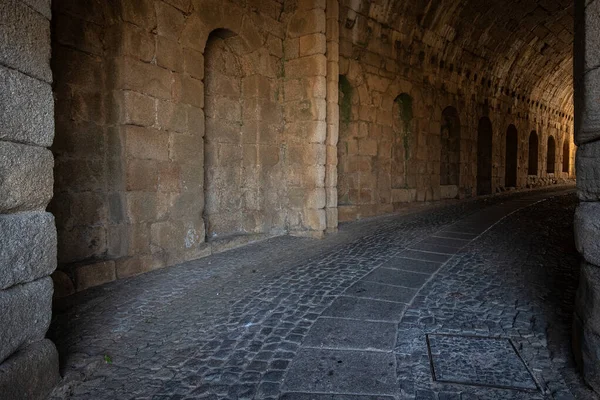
(586, 341)
(587, 305)
(31, 373)
(26, 109)
(25, 39)
(587, 231)
(588, 171)
(94, 274)
(25, 177)
(27, 247)
(26, 312)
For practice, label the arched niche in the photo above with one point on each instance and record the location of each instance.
(484, 157)
(551, 155)
(533, 154)
(450, 147)
(566, 157)
(511, 160)
(404, 168)
(242, 171)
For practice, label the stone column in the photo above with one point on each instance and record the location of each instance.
(305, 117)
(333, 112)
(586, 340)
(28, 361)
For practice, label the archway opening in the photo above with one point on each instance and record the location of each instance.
(404, 166)
(511, 161)
(348, 174)
(551, 155)
(484, 157)
(240, 144)
(566, 160)
(450, 148)
(533, 154)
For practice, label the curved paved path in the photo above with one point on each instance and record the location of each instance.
(456, 302)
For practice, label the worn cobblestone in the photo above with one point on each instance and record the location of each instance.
(231, 325)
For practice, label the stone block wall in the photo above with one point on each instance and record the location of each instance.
(386, 157)
(28, 361)
(586, 327)
(189, 127)
(185, 128)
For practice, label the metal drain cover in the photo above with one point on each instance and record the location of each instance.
(478, 361)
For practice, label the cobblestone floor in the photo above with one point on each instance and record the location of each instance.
(368, 313)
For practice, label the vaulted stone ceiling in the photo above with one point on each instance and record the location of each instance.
(522, 48)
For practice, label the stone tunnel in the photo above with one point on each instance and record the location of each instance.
(139, 135)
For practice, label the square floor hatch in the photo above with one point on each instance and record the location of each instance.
(478, 361)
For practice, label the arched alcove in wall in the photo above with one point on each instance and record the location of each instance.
(347, 172)
(484, 157)
(533, 154)
(566, 160)
(240, 142)
(511, 160)
(450, 147)
(551, 155)
(404, 169)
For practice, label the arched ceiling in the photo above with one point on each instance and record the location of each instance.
(524, 46)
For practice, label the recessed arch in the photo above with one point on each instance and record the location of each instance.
(511, 160)
(450, 147)
(484, 157)
(404, 166)
(533, 154)
(241, 156)
(551, 155)
(566, 160)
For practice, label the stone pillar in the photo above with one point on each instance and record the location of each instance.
(305, 117)
(586, 340)
(333, 112)
(28, 361)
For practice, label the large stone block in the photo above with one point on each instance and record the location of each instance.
(41, 6)
(588, 171)
(586, 340)
(96, 274)
(27, 247)
(142, 77)
(25, 177)
(31, 373)
(25, 317)
(26, 109)
(588, 95)
(25, 39)
(587, 231)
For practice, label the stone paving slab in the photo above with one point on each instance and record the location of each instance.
(351, 334)
(455, 235)
(378, 291)
(317, 396)
(479, 361)
(425, 256)
(434, 248)
(408, 264)
(397, 277)
(351, 372)
(458, 243)
(365, 309)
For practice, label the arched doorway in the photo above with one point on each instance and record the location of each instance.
(450, 148)
(533, 154)
(551, 155)
(511, 161)
(242, 175)
(404, 166)
(484, 157)
(566, 160)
